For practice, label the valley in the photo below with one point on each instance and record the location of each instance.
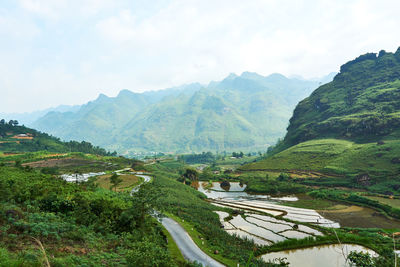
(328, 190)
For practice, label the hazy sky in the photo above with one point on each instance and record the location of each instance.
(68, 51)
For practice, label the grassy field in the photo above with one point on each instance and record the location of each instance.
(307, 202)
(65, 162)
(228, 162)
(388, 201)
(337, 157)
(128, 182)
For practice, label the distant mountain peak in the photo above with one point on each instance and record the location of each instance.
(276, 76)
(102, 97)
(251, 75)
(231, 76)
(125, 92)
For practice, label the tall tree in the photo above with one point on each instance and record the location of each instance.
(191, 174)
(115, 180)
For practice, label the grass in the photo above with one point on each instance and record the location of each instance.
(308, 202)
(128, 182)
(229, 162)
(388, 201)
(201, 241)
(333, 156)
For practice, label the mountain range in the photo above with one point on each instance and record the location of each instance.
(246, 112)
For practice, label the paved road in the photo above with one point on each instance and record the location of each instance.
(146, 180)
(186, 245)
(189, 249)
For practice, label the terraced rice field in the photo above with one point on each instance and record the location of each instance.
(261, 220)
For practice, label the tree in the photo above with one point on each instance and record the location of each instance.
(143, 203)
(2, 122)
(359, 259)
(115, 180)
(191, 174)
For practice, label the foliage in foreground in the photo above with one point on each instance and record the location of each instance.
(77, 224)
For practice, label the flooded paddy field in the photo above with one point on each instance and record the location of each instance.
(361, 217)
(327, 255)
(259, 221)
(268, 219)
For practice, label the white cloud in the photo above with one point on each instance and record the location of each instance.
(72, 50)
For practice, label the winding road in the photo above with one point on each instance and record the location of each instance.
(146, 180)
(186, 245)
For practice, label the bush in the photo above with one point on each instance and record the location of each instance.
(147, 254)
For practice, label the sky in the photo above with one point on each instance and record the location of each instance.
(56, 52)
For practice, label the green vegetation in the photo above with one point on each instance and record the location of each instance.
(347, 133)
(56, 163)
(115, 180)
(354, 198)
(238, 113)
(189, 206)
(372, 165)
(335, 157)
(14, 138)
(394, 202)
(76, 224)
(128, 181)
(360, 104)
(198, 158)
(275, 186)
(307, 202)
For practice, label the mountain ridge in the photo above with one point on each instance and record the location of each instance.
(239, 112)
(349, 128)
(357, 105)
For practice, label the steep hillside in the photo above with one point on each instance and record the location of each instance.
(99, 120)
(240, 112)
(349, 127)
(360, 104)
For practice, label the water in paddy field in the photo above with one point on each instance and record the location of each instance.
(258, 223)
(80, 177)
(235, 191)
(327, 255)
(237, 198)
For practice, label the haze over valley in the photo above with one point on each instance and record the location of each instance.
(247, 112)
(101, 167)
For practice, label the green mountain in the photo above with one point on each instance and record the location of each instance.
(360, 104)
(240, 112)
(15, 138)
(349, 127)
